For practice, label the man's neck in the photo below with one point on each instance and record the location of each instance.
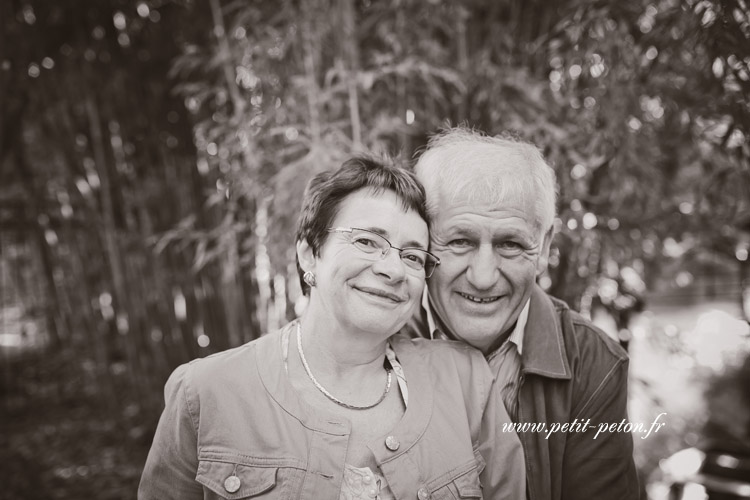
(500, 340)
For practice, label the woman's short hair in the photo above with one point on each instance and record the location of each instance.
(325, 192)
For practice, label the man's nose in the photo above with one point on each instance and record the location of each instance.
(390, 265)
(483, 269)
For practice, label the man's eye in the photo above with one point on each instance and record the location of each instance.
(459, 243)
(511, 247)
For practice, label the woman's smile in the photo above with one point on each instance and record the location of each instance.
(381, 294)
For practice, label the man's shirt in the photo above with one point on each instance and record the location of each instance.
(505, 361)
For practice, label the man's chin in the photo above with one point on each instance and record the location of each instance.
(478, 334)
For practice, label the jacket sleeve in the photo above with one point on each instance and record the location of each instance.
(599, 463)
(504, 474)
(172, 462)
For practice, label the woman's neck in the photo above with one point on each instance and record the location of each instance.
(340, 351)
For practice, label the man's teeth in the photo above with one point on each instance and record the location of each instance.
(479, 300)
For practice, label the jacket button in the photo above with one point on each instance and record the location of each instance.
(392, 443)
(423, 494)
(232, 484)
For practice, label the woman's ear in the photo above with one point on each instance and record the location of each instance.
(305, 256)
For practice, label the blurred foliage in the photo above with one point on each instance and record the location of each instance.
(153, 154)
(728, 402)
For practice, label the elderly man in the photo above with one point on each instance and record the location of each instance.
(492, 206)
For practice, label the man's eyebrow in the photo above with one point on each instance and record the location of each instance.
(515, 233)
(461, 231)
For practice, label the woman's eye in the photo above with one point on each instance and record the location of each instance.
(413, 258)
(365, 242)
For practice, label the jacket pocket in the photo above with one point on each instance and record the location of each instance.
(464, 486)
(237, 479)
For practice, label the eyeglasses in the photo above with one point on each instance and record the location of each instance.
(372, 243)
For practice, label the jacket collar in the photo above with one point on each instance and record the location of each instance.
(544, 350)
(410, 428)
(542, 346)
(270, 367)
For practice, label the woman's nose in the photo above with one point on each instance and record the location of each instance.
(390, 265)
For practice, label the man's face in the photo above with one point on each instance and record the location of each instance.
(491, 254)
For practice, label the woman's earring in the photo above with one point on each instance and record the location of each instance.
(309, 278)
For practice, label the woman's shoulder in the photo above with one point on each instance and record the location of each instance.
(438, 355)
(437, 348)
(454, 369)
(227, 366)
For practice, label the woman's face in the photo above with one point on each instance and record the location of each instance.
(362, 292)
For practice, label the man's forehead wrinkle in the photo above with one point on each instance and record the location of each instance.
(494, 191)
(483, 173)
(512, 209)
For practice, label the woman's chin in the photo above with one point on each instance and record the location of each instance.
(381, 325)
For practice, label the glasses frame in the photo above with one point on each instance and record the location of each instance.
(391, 246)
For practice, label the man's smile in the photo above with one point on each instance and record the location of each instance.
(479, 300)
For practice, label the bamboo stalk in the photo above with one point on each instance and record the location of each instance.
(111, 246)
(351, 55)
(463, 59)
(310, 46)
(232, 290)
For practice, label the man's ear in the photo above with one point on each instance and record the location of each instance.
(305, 256)
(543, 260)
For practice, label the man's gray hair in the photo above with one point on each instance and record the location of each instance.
(508, 168)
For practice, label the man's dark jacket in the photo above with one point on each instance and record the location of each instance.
(571, 372)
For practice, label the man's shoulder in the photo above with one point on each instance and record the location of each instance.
(581, 335)
(598, 364)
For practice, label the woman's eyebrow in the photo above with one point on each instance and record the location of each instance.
(382, 232)
(377, 230)
(414, 244)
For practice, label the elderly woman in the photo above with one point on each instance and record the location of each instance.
(335, 405)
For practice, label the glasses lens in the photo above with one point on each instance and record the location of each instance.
(369, 242)
(414, 258)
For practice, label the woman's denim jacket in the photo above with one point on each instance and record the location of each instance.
(236, 413)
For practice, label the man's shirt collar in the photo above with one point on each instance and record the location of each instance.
(538, 331)
(431, 327)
